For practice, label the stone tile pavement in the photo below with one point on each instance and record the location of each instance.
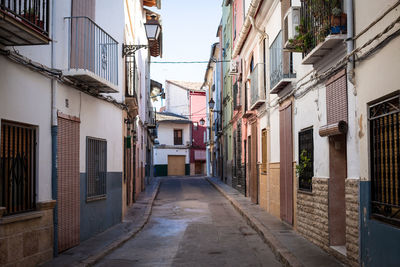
(92, 250)
(289, 247)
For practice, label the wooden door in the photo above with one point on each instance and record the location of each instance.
(198, 168)
(253, 164)
(336, 189)
(286, 159)
(68, 184)
(176, 165)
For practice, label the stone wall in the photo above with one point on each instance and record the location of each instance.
(352, 220)
(273, 189)
(312, 213)
(26, 239)
(313, 217)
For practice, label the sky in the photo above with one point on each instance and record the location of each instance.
(189, 30)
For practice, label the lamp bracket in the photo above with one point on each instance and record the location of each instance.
(129, 50)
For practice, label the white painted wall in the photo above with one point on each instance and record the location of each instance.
(161, 155)
(166, 133)
(177, 99)
(27, 100)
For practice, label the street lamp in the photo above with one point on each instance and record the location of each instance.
(211, 104)
(153, 30)
(202, 121)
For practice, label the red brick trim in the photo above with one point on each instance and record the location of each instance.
(68, 117)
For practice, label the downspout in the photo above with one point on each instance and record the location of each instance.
(54, 132)
(350, 42)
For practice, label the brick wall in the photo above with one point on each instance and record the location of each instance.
(352, 220)
(312, 213)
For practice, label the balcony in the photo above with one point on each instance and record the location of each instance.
(279, 79)
(236, 96)
(92, 56)
(24, 22)
(323, 26)
(151, 119)
(257, 87)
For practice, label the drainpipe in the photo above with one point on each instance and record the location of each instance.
(350, 42)
(54, 131)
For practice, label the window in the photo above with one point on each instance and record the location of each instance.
(178, 137)
(384, 120)
(96, 168)
(17, 167)
(264, 151)
(306, 159)
(195, 126)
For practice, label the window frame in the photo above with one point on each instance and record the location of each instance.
(175, 138)
(97, 195)
(305, 131)
(30, 205)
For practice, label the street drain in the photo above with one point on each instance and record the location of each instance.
(215, 252)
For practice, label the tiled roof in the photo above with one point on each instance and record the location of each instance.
(169, 116)
(193, 86)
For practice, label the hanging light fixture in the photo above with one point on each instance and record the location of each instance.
(153, 28)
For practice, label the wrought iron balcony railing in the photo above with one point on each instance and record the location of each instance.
(318, 20)
(24, 22)
(257, 86)
(93, 55)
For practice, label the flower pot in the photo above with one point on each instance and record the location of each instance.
(339, 24)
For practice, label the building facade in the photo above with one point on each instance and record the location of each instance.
(63, 124)
(172, 151)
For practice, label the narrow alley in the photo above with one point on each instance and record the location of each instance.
(192, 224)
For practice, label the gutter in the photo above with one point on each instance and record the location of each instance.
(246, 27)
(54, 133)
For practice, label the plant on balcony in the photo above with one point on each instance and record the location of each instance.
(302, 41)
(32, 16)
(338, 21)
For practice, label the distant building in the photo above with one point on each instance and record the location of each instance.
(189, 99)
(172, 150)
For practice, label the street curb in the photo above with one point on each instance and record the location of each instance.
(280, 251)
(119, 242)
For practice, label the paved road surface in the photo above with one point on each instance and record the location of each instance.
(192, 225)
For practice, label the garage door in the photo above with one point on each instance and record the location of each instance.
(176, 165)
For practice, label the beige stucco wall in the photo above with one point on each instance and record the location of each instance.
(371, 82)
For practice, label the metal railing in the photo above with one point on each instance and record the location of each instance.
(32, 12)
(318, 21)
(131, 81)
(257, 88)
(96, 168)
(17, 168)
(91, 48)
(384, 120)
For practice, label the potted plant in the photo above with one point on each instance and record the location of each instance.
(32, 16)
(304, 162)
(338, 21)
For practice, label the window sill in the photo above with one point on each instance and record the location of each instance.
(305, 192)
(96, 198)
(21, 217)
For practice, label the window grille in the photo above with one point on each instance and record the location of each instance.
(384, 119)
(17, 167)
(96, 168)
(306, 146)
(178, 137)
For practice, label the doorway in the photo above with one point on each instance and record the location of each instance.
(253, 175)
(286, 159)
(336, 190)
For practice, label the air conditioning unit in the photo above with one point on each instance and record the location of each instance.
(290, 22)
(234, 68)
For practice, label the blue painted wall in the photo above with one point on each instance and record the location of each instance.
(380, 242)
(98, 216)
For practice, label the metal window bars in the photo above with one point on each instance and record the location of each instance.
(384, 120)
(17, 167)
(96, 156)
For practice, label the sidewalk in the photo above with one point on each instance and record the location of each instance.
(90, 251)
(291, 248)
